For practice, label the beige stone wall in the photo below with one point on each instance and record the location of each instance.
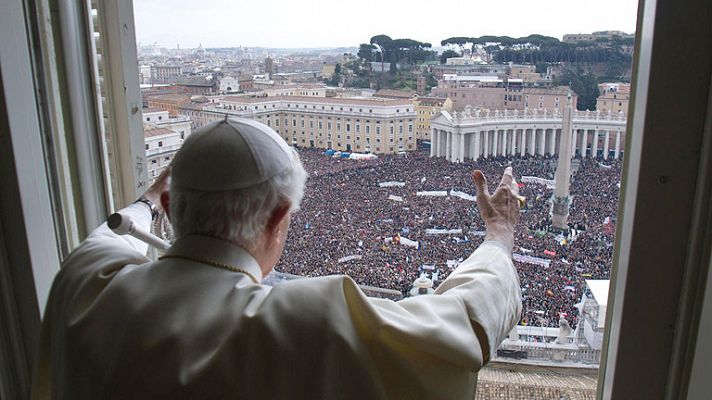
(476, 97)
(423, 114)
(537, 99)
(615, 102)
(345, 133)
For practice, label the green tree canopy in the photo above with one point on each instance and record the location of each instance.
(367, 52)
(448, 54)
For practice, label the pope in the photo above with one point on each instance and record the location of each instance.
(198, 324)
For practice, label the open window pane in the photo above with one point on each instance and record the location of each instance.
(390, 135)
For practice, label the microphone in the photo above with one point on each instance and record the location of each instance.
(121, 225)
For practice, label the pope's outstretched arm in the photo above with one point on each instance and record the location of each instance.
(489, 272)
(425, 346)
(139, 213)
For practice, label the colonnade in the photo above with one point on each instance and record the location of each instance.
(485, 143)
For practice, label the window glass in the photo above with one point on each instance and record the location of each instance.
(484, 88)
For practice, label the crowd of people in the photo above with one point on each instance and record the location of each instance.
(349, 224)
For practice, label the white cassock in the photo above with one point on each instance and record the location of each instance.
(120, 327)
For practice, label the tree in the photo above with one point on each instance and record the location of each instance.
(383, 42)
(337, 69)
(585, 85)
(366, 52)
(448, 54)
(457, 41)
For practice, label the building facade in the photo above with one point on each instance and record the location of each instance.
(161, 146)
(551, 99)
(425, 109)
(158, 118)
(229, 84)
(495, 93)
(165, 73)
(168, 102)
(363, 125)
(307, 90)
(613, 97)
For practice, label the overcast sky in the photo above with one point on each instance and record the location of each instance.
(315, 23)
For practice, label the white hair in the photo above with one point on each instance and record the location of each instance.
(239, 216)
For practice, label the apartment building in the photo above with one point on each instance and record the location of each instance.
(165, 73)
(550, 99)
(368, 125)
(480, 91)
(161, 146)
(172, 102)
(495, 93)
(614, 97)
(425, 109)
(155, 117)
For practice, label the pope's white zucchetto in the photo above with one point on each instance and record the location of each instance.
(230, 154)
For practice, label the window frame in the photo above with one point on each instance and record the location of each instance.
(640, 347)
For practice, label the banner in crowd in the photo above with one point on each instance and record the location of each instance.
(604, 166)
(395, 198)
(550, 183)
(350, 258)
(443, 231)
(452, 263)
(404, 241)
(463, 195)
(359, 156)
(437, 193)
(391, 184)
(531, 260)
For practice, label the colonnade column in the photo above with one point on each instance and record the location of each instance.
(502, 142)
(485, 153)
(494, 143)
(552, 142)
(618, 145)
(433, 142)
(573, 142)
(584, 143)
(462, 147)
(477, 146)
(542, 141)
(532, 142)
(606, 141)
(448, 146)
(513, 141)
(523, 142)
(594, 148)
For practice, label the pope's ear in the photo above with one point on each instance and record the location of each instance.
(166, 203)
(277, 217)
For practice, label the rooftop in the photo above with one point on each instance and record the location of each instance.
(561, 90)
(174, 97)
(431, 101)
(149, 110)
(153, 132)
(400, 94)
(364, 101)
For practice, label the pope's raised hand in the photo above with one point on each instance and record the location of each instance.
(500, 211)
